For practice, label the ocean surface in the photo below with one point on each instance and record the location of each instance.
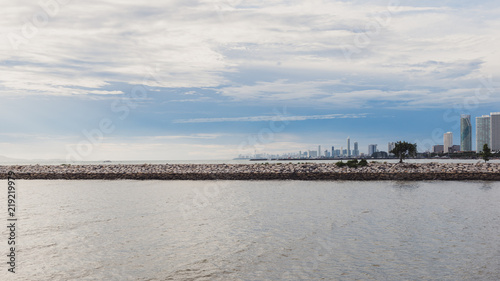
(254, 230)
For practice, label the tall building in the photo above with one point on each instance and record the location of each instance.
(333, 151)
(495, 131)
(390, 146)
(465, 133)
(448, 141)
(356, 149)
(482, 132)
(372, 148)
(438, 148)
(348, 146)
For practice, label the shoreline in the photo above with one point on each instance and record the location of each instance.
(275, 171)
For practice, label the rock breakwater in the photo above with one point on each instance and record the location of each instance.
(275, 171)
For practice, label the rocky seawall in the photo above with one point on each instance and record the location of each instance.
(275, 171)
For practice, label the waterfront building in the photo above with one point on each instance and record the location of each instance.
(495, 131)
(390, 147)
(438, 149)
(372, 148)
(333, 151)
(313, 154)
(356, 149)
(482, 132)
(337, 152)
(319, 150)
(348, 146)
(448, 141)
(455, 148)
(465, 133)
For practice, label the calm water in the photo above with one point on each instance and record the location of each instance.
(240, 230)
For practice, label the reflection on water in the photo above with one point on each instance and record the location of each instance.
(259, 230)
(487, 186)
(406, 184)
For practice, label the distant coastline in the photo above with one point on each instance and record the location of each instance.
(261, 171)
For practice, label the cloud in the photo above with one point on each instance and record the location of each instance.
(271, 118)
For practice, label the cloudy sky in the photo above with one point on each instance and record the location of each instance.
(211, 79)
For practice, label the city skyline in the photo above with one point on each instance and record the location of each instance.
(486, 132)
(192, 80)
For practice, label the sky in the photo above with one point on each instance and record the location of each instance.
(212, 79)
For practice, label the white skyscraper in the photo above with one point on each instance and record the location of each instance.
(348, 146)
(482, 132)
(319, 150)
(495, 131)
(448, 141)
(390, 146)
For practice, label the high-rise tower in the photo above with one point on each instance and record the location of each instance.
(448, 141)
(348, 146)
(482, 132)
(495, 131)
(465, 133)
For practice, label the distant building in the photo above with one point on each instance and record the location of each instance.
(495, 131)
(465, 133)
(372, 148)
(313, 154)
(333, 151)
(438, 149)
(448, 141)
(356, 149)
(390, 147)
(319, 150)
(327, 154)
(337, 153)
(379, 154)
(348, 146)
(482, 132)
(455, 148)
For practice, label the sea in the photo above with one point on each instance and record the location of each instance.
(253, 230)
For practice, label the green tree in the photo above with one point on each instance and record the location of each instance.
(404, 150)
(486, 153)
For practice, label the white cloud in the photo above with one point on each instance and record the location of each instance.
(271, 118)
(93, 44)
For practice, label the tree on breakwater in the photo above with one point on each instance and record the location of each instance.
(404, 149)
(486, 153)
